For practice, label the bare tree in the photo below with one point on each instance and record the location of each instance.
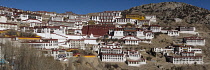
(27, 58)
(30, 59)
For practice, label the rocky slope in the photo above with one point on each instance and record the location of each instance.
(190, 15)
(166, 11)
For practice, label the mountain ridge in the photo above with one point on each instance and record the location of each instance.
(167, 10)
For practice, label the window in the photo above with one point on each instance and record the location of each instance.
(67, 54)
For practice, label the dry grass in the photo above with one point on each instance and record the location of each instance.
(162, 40)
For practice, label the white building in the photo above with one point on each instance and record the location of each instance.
(4, 26)
(30, 16)
(148, 35)
(177, 50)
(139, 33)
(137, 62)
(131, 57)
(134, 58)
(34, 22)
(95, 18)
(180, 49)
(58, 54)
(182, 28)
(5, 11)
(189, 30)
(79, 24)
(181, 54)
(155, 28)
(133, 40)
(63, 23)
(186, 59)
(57, 18)
(43, 44)
(194, 41)
(72, 16)
(52, 14)
(3, 19)
(82, 42)
(50, 29)
(178, 20)
(105, 45)
(113, 58)
(108, 17)
(76, 43)
(173, 33)
(143, 22)
(124, 21)
(82, 18)
(112, 55)
(164, 51)
(152, 18)
(119, 32)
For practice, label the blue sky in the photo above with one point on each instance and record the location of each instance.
(88, 6)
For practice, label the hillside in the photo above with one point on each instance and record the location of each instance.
(165, 11)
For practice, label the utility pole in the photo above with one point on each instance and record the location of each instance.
(1, 51)
(1, 54)
(156, 58)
